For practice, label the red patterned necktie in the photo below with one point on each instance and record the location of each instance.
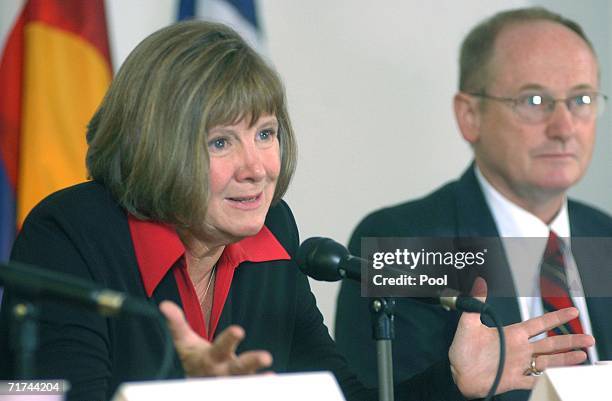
(554, 288)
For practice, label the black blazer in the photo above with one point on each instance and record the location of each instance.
(82, 231)
(424, 332)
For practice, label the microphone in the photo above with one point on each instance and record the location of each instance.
(46, 284)
(324, 259)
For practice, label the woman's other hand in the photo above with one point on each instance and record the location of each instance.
(474, 354)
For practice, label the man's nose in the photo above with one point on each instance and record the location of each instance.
(561, 121)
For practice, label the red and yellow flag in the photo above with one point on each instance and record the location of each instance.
(54, 71)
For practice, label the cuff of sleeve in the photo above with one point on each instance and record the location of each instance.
(438, 385)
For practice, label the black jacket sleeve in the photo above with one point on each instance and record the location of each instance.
(73, 342)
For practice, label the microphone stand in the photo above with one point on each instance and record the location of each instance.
(25, 338)
(383, 332)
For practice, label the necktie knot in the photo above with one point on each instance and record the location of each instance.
(553, 248)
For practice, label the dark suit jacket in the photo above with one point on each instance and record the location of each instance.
(82, 231)
(424, 332)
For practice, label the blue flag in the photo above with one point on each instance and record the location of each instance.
(241, 15)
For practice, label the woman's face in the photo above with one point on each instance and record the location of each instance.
(244, 168)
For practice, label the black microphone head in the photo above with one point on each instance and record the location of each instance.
(320, 257)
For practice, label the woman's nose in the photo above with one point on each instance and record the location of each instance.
(251, 165)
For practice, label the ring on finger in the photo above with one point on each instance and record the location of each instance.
(532, 370)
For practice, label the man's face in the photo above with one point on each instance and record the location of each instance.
(528, 161)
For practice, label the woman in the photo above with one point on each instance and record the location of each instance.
(190, 154)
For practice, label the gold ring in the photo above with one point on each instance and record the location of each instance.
(532, 370)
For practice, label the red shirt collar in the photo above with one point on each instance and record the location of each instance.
(158, 247)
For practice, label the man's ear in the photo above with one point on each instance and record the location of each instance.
(467, 114)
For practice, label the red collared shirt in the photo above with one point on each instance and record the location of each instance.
(159, 249)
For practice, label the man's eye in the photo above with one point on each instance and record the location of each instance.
(583, 99)
(534, 100)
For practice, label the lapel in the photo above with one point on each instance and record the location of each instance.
(593, 258)
(474, 219)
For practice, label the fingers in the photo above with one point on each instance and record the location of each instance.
(250, 362)
(224, 349)
(468, 323)
(479, 289)
(564, 343)
(179, 328)
(543, 362)
(471, 321)
(201, 358)
(548, 321)
(564, 359)
(224, 346)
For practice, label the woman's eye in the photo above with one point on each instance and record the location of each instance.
(218, 144)
(266, 134)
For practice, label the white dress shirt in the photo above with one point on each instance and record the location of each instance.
(525, 256)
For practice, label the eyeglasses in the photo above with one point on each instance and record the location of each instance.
(538, 107)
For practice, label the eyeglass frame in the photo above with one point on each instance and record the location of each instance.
(514, 102)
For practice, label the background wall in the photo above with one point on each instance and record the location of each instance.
(370, 87)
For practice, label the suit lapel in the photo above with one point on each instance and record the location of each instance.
(474, 219)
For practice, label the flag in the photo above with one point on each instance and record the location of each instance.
(54, 70)
(241, 15)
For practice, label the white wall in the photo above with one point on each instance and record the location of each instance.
(370, 86)
(370, 91)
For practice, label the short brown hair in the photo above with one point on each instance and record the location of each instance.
(148, 139)
(478, 46)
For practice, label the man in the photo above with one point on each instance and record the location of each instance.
(527, 104)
